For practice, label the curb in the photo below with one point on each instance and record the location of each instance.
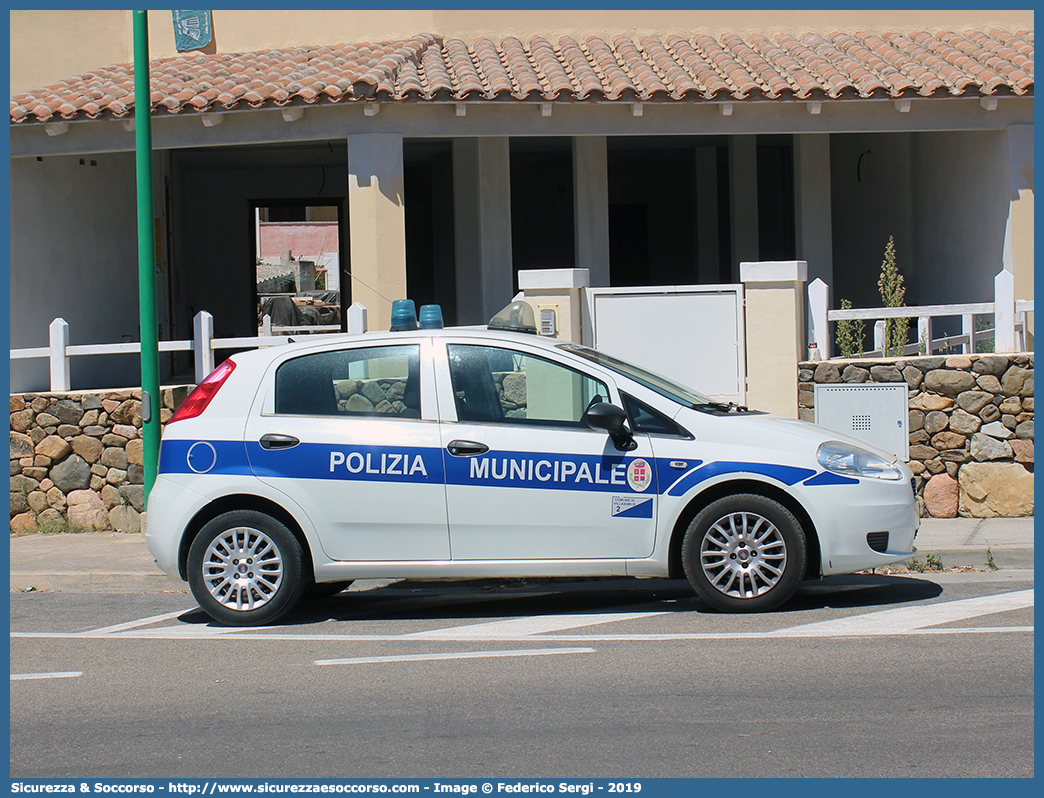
(1004, 557)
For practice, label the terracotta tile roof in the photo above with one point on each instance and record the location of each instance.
(673, 68)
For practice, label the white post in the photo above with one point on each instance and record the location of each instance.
(924, 333)
(818, 304)
(968, 328)
(203, 335)
(357, 318)
(1004, 312)
(266, 325)
(879, 337)
(58, 335)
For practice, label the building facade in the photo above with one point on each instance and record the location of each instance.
(456, 148)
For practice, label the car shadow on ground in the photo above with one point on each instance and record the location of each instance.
(509, 598)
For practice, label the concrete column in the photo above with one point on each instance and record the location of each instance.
(591, 207)
(775, 329)
(812, 205)
(708, 260)
(743, 191)
(1018, 230)
(377, 224)
(482, 227)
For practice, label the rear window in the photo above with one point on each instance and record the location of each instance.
(377, 381)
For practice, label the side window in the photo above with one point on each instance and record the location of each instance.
(374, 381)
(508, 387)
(645, 419)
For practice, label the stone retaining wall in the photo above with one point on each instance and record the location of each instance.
(76, 459)
(971, 427)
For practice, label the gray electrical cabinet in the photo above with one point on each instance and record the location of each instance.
(874, 412)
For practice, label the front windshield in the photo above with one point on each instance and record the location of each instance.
(654, 382)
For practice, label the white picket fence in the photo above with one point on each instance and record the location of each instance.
(1008, 329)
(203, 344)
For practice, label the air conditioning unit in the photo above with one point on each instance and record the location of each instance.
(877, 413)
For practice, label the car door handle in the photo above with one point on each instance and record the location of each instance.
(466, 448)
(272, 441)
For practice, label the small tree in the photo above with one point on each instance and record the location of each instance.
(893, 293)
(849, 334)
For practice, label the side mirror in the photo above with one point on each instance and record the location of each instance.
(611, 419)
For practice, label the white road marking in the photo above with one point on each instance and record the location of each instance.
(122, 627)
(17, 677)
(549, 638)
(514, 628)
(907, 620)
(904, 620)
(531, 652)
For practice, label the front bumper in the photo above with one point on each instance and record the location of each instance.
(855, 512)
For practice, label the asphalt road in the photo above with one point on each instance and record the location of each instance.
(877, 676)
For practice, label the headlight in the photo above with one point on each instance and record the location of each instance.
(843, 458)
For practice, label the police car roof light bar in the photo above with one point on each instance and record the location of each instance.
(431, 317)
(403, 315)
(515, 317)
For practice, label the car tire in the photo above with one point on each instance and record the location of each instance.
(245, 568)
(744, 553)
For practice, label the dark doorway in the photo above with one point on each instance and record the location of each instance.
(776, 238)
(629, 245)
(430, 252)
(542, 204)
(652, 225)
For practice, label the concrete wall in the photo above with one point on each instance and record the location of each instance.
(944, 198)
(303, 239)
(960, 184)
(74, 255)
(871, 199)
(78, 41)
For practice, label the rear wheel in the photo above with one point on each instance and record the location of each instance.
(744, 553)
(245, 568)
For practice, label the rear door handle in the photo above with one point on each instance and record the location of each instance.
(273, 441)
(466, 448)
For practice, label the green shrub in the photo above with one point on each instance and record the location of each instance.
(893, 294)
(849, 334)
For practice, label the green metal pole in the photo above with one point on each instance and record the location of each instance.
(151, 400)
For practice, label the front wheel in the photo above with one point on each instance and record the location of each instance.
(744, 553)
(245, 568)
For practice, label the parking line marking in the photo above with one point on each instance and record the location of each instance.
(121, 627)
(514, 628)
(900, 621)
(18, 677)
(193, 634)
(904, 620)
(530, 652)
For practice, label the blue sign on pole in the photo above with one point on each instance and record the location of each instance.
(192, 30)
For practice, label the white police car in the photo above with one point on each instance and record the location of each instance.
(468, 453)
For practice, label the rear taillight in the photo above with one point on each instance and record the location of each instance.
(197, 401)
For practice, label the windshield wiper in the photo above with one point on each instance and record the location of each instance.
(723, 407)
